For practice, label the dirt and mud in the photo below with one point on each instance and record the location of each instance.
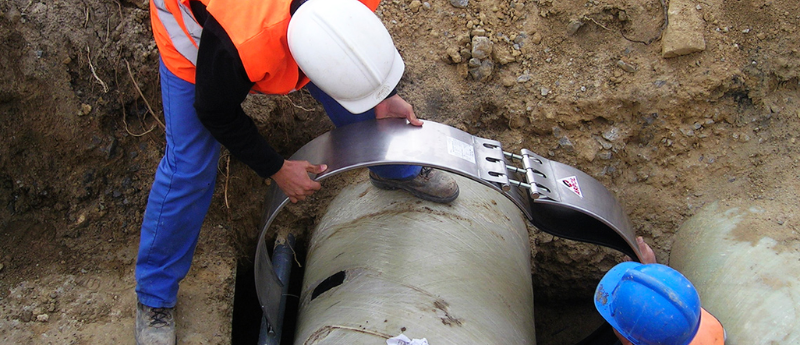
(581, 82)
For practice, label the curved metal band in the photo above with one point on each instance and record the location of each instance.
(570, 203)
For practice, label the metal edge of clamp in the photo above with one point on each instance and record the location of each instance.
(542, 189)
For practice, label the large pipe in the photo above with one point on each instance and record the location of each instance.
(383, 263)
(743, 256)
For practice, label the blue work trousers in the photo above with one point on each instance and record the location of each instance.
(183, 187)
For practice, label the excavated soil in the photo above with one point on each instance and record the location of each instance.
(580, 82)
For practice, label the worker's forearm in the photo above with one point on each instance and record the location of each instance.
(240, 136)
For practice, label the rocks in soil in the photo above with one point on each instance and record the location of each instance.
(26, 316)
(502, 56)
(536, 38)
(626, 66)
(684, 33)
(509, 81)
(414, 6)
(459, 3)
(481, 47)
(481, 64)
(573, 26)
(85, 109)
(454, 55)
(482, 71)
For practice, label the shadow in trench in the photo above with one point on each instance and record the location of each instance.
(246, 308)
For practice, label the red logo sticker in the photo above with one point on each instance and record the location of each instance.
(572, 184)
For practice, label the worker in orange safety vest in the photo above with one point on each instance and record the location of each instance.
(213, 53)
(648, 304)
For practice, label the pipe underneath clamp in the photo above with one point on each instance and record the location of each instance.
(554, 197)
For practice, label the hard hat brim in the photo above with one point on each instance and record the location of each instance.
(605, 289)
(361, 105)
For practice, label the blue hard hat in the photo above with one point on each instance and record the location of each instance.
(649, 304)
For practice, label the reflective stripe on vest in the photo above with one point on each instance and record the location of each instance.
(257, 29)
(185, 38)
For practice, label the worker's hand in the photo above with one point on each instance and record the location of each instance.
(648, 256)
(293, 179)
(396, 107)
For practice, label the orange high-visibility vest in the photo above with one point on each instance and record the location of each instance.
(710, 332)
(257, 29)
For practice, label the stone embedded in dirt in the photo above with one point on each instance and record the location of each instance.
(573, 26)
(42, 317)
(463, 70)
(684, 33)
(459, 3)
(564, 142)
(626, 66)
(482, 72)
(536, 38)
(520, 39)
(477, 32)
(509, 81)
(502, 56)
(85, 109)
(26, 316)
(481, 47)
(612, 134)
(1, 267)
(454, 55)
(414, 6)
(463, 39)
(465, 54)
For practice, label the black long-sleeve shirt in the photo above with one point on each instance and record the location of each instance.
(221, 86)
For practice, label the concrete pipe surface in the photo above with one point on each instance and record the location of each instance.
(744, 262)
(383, 263)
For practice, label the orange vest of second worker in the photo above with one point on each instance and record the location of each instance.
(711, 331)
(257, 29)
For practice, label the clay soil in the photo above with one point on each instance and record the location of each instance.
(579, 82)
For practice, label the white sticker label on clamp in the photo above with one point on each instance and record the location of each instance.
(571, 183)
(461, 149)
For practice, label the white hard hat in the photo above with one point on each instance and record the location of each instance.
(346, 51)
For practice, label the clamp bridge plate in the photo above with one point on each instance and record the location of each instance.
(554, 197)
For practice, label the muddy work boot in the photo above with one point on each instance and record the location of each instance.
(155, 326)
(431, 184)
